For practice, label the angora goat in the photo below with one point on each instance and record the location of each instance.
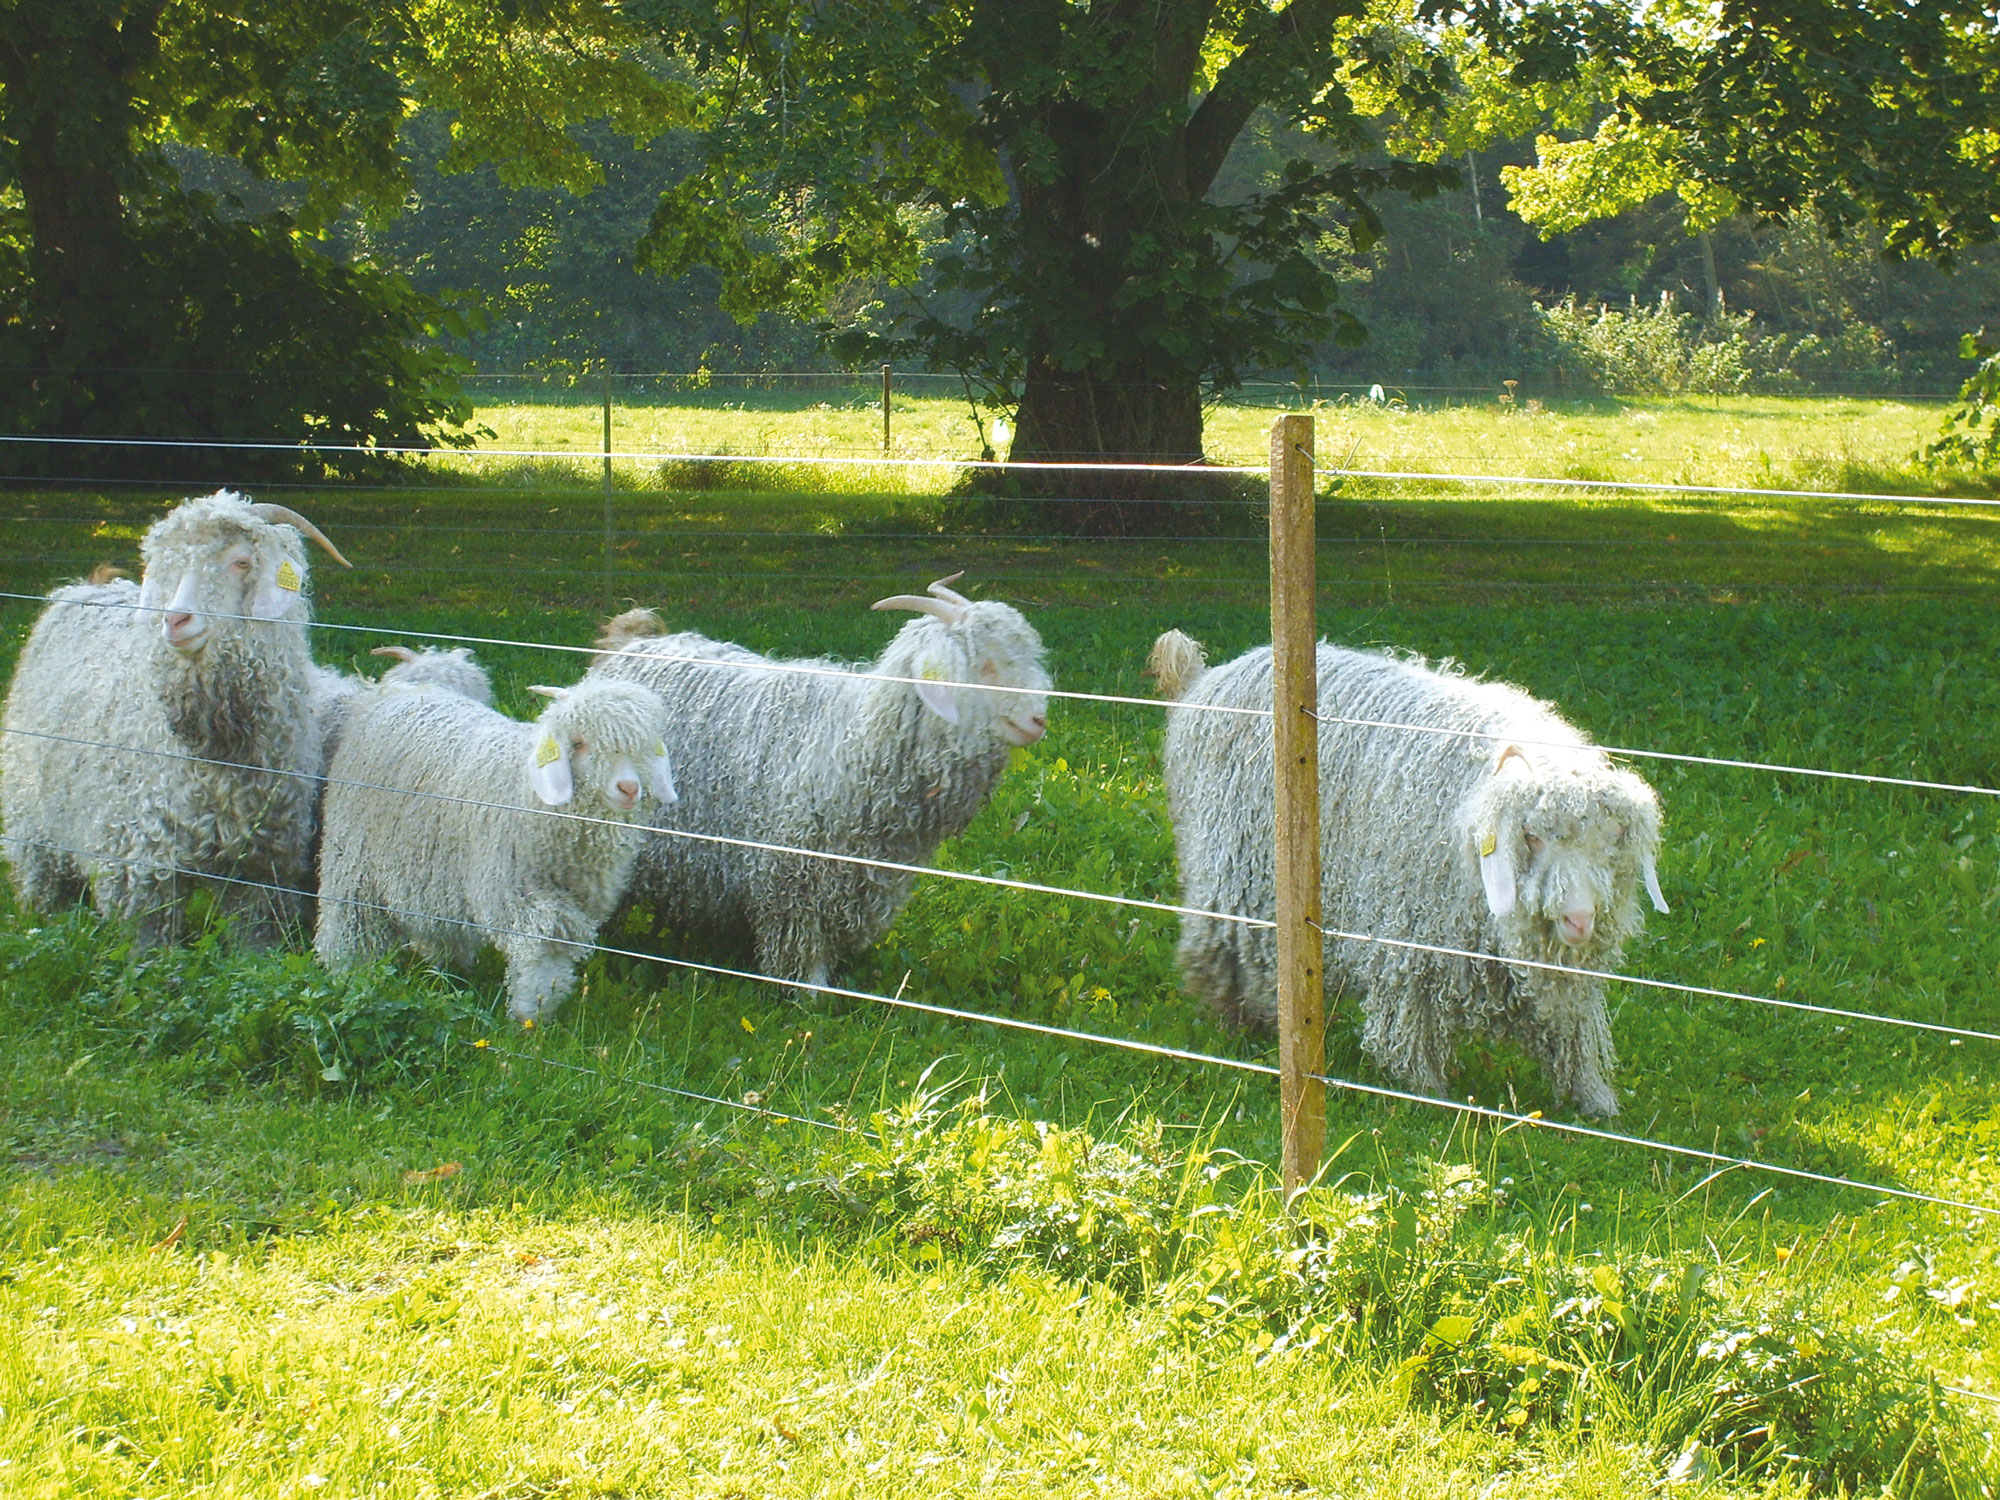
(120, 684)
(439, 830)
(450, 671)
(827, 758)
(1508, 835)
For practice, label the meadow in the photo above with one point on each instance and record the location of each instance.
(266, 1231)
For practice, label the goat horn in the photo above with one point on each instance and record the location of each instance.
(550, 692)
(949, 613)
(264, 510)
(950, 595)
(401, 653)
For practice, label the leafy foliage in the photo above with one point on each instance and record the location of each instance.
(1063, 156)
(135, 307)
(268, 1017)
(1962, 442)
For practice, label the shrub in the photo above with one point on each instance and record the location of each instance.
(1650, 351)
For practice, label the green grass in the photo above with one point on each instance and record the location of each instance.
(227, 1264)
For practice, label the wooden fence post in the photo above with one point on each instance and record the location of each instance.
(1295, 763)
(608, 606)
(885, 411)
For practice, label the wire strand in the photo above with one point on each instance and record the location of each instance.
(1008, 883)
(1592, 1132)
(484, 1045)
(1008, 465)
(587, 819)
(1171, 705)
(1149, 1049)
(762, 664)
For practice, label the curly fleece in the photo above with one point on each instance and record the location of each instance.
(1404, 818)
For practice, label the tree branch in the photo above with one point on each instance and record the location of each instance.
(1300, 29)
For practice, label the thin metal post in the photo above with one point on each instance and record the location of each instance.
(885, 411)
(1295, 766)
(608, 610)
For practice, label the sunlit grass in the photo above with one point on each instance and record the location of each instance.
(657, 1265)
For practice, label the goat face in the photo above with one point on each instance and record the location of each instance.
(997, 653)
(606, 739)
(1565, 847)
(214, 563)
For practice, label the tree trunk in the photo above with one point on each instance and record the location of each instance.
(68, 68)
(1711, 283)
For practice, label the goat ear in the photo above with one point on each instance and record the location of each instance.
(1496, 868)
(548, 771)
(936, 691)
(277, 589)
(152, 592)
(659, 773)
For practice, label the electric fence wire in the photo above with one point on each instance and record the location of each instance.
(1034, 888)
(1511, 1118)
(1327, 541)
(1172, 706)
(1094, 466)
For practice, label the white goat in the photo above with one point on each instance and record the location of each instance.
(1491, 827)
(439, 830)
(160, 729)
(827, 756)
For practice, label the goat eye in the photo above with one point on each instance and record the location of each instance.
(576, 747)
(987, 669)
(1535, 843)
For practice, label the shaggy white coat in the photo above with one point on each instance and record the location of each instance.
(451, 671)
(102, 665)
(449, 877)
(882, 770)
(1515, 837)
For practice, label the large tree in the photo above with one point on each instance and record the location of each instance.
(134, 306)
(1065, 154)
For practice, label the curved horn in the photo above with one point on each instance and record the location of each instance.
(949, 613)
(401, 653)
(264, 510)
(950, 595)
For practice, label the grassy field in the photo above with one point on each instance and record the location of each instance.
(264, 1231)
(1806, 442)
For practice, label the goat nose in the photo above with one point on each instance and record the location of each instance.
(628, 790)
(1577, 925)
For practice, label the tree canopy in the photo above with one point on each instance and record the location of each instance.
(135, 306)
(1065, 156)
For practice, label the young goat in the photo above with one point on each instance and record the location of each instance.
(441, 830)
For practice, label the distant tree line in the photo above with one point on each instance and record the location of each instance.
(290, 221)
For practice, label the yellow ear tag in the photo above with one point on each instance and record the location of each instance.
(546, 752)
(1487, 845)
(288, 576)
(933, 672)
(659, 750)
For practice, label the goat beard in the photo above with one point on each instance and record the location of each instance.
(215, 702)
